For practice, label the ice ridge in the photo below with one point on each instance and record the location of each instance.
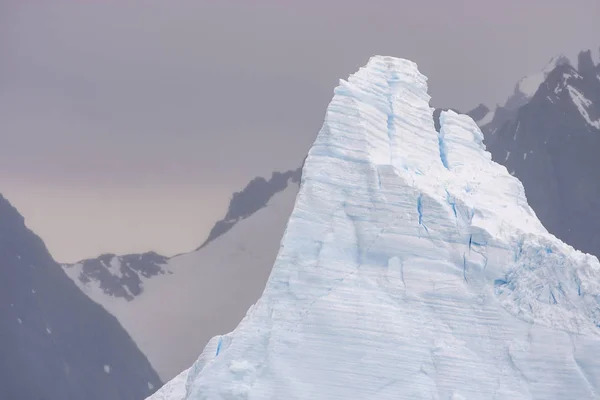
(411, 267)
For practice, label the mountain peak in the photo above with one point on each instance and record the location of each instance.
(479, 112)
(117, 276)
(588, 64)
(567, 88)
(578, 79)
(252, 198)
(527, 86)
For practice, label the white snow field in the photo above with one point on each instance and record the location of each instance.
(411, 268)
(528, 85)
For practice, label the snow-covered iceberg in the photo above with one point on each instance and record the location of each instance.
(411, 268)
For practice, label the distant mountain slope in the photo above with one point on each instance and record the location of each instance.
(121, 276)
(124, 276)
(551, 143)
(179, 303)
(55, 343)
(254, 197)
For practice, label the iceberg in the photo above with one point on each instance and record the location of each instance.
(412, 267)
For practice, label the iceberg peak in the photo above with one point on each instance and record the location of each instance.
(411, 267)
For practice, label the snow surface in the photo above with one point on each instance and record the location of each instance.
(175, 389)
(487, 119)
(530, 84)
(596, 55)
(411, 268)
(204, 293)
(583, 104)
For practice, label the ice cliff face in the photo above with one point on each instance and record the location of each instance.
(411, 268)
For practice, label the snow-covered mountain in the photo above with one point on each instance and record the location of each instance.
(412, 267)
(173, 306)
(55, 343)
(118, 276)
(551, 143)
(526, 88)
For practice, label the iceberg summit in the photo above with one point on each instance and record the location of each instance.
(412, 267)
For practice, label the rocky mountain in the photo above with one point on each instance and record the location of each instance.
(55, 342)
(255, 196)
(548, 135)
(479, 112)
(210, 288)
(121, 276)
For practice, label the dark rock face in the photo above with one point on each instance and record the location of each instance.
(56, 343)
(252, 198)
(120, 276)
(551, 146)
(502, 115)
(479, 112)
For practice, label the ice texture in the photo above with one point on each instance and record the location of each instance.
(411, 267)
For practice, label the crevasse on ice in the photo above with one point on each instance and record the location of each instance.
(411, 268)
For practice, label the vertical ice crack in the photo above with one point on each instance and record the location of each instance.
(390, 125)
(442, 145)
(585, 375)
(219, 346)
(515, 367)
(578, 283)
(420, 212)
(392, 82)
(402, 273)
(519, 249)
(420, 209)
(450, 200)
(465, 268)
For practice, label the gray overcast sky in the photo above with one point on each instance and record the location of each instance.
(126, 125)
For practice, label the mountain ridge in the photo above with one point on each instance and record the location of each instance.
(122, 276)
(252, 198)
(58, 343)
(551, 145)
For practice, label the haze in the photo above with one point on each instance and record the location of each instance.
(126, 125)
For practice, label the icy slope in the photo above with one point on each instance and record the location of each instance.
(411, 268)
